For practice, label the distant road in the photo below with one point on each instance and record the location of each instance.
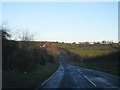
(70, 76)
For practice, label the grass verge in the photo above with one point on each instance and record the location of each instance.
(107, 63)
(29, 80)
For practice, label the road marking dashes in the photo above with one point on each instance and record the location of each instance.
(79, 71)
(86, 78)
(89, 80)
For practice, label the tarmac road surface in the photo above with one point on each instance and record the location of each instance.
(70, 76)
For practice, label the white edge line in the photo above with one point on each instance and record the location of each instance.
(89, 80)
(47, 79)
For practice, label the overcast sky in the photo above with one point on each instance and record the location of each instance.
(63, 21)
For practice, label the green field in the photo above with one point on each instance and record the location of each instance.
(101, 57)
(29, 80)
(88, 51)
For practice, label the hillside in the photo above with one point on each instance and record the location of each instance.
(98, 57)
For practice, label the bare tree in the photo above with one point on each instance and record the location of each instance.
(5, 32)
(25, 39)
(26, 36)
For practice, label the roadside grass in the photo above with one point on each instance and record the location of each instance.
(52, 50)
(32, 80)
(28, 80)
(105, 66)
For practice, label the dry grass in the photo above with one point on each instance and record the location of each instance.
(51, 47)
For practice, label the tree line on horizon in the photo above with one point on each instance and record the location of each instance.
(87, 43)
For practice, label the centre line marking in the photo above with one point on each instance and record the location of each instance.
(79, 71)
(89, 80)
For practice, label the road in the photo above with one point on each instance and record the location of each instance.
(70, 76)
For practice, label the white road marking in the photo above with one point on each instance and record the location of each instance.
(79, 71)
(48, 79)
(89, 80)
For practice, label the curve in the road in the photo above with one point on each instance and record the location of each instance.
(70, 76)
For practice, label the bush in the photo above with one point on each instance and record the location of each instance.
(20, 57)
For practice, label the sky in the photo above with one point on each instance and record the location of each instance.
(63, 21)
